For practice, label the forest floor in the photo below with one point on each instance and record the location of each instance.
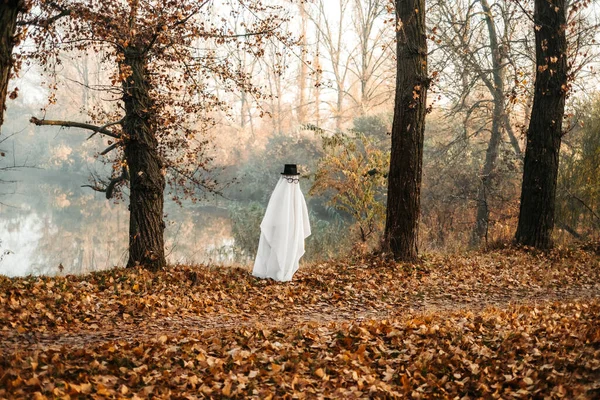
(501, 324)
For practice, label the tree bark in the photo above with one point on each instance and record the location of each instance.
(147, 182)
(9, 11)
(540, 170)
(404, 178)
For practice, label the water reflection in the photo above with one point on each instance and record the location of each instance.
(82, 232)
(19, 240)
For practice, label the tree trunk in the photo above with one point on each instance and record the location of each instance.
(404, 178)
(9, 11)
(243, 99)
(514, 142)
(303, 67)
(339, 103)
(243, 109)
(318, 75)
(317, 87)
(278, 84)
(540, 170)
(482, 219)
(491, 155)
(147, 182)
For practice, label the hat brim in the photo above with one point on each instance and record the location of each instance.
(283, 173)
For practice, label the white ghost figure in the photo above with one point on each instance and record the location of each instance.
(282, 232)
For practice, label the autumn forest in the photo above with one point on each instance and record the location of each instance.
(440, 235)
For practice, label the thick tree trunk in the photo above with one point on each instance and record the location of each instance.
(540, 170)
(9, 11)
(483, 209)
(147, 182)
(404, 178)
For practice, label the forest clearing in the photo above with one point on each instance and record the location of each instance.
(500, 324)
(414, 182)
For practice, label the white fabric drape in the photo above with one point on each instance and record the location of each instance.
(283, 230)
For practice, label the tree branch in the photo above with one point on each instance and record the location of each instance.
(109, 189)
(569, 230)
(106, 126)
(72, 124)
(583, 203)
(44, 23)
(110, 148)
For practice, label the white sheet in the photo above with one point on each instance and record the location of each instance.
(284, 228)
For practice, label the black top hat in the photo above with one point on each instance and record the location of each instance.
(290, 169)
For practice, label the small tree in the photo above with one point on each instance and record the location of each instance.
(351, 174)
(167, 66)
(578, 191)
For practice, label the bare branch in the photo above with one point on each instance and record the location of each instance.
(106, 126)
(583, 203)
(564, 226)
(110, 148)
(44, 23)
(109, 188)
(191, 178)
(96, 188)
(72, 124)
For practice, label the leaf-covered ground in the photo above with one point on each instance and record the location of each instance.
(504, 324)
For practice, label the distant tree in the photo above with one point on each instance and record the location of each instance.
(371, 61)
(578, 191)
(355, 43)
(331, 34)
(167, 73)
(540, 171)
(500, 118)
(479, 56)
(404, 178)
(275, 72)
(303, 68)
